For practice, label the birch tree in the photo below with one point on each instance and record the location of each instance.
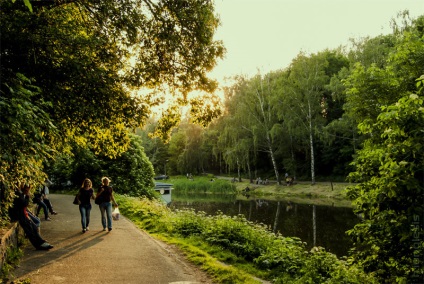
(302, 101)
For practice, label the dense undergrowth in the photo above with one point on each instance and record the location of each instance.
(203, 185)
(235, 250)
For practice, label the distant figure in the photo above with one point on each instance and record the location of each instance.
(289, 180)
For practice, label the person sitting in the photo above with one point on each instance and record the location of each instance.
(19, 212)
(289, 180)
(38, 199)
(44, 190)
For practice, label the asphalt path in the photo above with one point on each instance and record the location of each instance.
(124, 255)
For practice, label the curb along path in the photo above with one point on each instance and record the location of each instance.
(124, 255)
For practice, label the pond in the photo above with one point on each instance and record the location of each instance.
(317, 225)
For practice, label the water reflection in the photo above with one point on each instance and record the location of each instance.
(317, 225)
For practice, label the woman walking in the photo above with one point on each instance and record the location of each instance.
(85, 194)
(105, 194)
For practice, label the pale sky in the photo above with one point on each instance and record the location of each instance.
(266, 35)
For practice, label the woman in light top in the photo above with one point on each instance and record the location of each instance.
(85, 194)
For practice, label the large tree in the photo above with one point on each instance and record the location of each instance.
(302, 100)
(389, 168)
(86, 59)
(390, 193)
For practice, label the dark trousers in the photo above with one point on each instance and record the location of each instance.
(43, 205)
(48, 204)
(31, 232)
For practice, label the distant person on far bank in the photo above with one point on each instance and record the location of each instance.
(104, 198)
(85, 194)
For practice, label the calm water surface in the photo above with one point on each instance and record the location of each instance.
(317, 225)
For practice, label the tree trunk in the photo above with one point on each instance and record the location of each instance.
(294, 167)
(311, 141)
(238, 170)
(274, 162)
(249, 172)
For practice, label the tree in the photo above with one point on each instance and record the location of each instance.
(390, 193)
(302, 99)
(27, 135)
(389, 167)
(132, 172)
(87, 59)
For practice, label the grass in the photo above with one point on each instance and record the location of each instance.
(321, 193)
(235, 250)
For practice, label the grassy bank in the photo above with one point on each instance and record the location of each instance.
(234, 250)
(321, 193)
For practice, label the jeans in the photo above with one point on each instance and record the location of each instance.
(106, 211)
(34, 219)
(85, 215)
(48, 204)
(41, 204)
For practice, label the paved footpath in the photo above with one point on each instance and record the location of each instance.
(124, 255)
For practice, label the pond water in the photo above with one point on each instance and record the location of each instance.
(317, 225)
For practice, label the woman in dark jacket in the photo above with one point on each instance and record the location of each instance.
(105, 193)
(85, 194)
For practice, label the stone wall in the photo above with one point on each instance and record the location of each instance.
(9, 237)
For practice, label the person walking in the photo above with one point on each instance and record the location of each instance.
(105, 199)
(85, 194)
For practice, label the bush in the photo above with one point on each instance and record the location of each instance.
(203, 185)
(279, 258)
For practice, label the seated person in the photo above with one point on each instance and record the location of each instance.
(19, 212)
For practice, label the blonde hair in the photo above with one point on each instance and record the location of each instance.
(88, 182)
(105, 180)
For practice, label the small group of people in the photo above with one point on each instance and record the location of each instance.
(289, 180)
(261, 181)
(29, 222)
(43, 202)
(105, 199)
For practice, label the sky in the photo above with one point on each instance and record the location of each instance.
(265, 35)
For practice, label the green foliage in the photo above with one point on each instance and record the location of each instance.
(281, 259)
(69, 70)
(27, 136)
(204, 185)
(391, 192)
(12, 257)
(132, 172)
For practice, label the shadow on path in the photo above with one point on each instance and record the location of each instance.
(124, 255)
